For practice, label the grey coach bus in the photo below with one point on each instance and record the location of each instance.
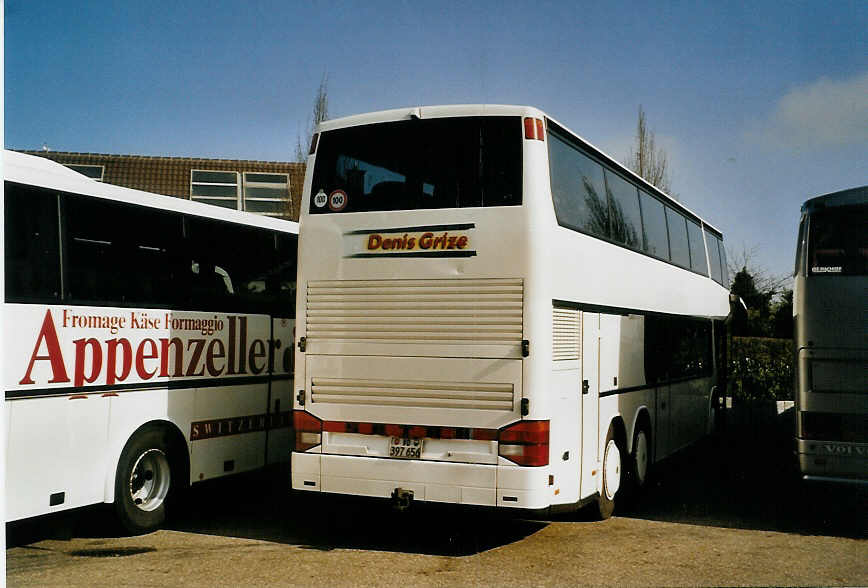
(831, 337)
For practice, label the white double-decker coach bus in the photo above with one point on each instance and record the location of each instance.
(147, 343)
(492, 311)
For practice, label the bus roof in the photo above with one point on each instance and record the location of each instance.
(458, 110)
(841, 198)
(37, 171)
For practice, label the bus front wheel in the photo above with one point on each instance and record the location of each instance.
(143, 482)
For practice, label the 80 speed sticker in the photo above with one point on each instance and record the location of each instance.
(338, 200)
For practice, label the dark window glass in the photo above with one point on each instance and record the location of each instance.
(800, 246)
(92, 171)
(419, 164)
(714, 257)
(625, 221)
(577, 188)
(122, 255)
(678, 245)
(724, 268)
(31, 242)
(654, 226)
(215, 177)
(676, 348)
(698, 262)
(240, 269)
(838, 241)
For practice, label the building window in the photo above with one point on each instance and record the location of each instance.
(94, 172)
(266, 193)
(220, 188)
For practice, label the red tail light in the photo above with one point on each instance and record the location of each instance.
(529, 129)
(534, 129)
(525, 443)
(308, 430)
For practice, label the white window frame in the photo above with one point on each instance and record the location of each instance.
(237, 185)
(253, 184)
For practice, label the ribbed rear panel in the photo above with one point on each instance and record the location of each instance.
(464, 395)
(566, 334)
(448, 311)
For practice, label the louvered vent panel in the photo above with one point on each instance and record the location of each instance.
(487, 311)
(411, 393)
(566, 334)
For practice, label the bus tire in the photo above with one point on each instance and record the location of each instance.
(640, 459)
(143, 481)
(612, 475)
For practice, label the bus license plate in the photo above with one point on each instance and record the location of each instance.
(404, 448)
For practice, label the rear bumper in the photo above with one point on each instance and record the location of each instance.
(452, 483)
(833, 461)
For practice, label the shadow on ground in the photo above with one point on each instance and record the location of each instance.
(745, 477)
(741, 478)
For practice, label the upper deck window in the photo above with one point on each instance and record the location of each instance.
(838, 241)
(419, 164)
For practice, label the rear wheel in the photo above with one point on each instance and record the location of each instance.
(143, 482)
(612, 474)
(640, 458)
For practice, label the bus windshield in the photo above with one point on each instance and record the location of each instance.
(838, 241)
(419, 164)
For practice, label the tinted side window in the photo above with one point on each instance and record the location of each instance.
(625, 221)
(698, 262)
(714, 258)
(724, 268)
(680, 249)
(654, 226)
(31, 242)
(122, 255)
(240, 269)
(677, 347)
(577, 188)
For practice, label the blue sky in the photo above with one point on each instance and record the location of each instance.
(760, 105)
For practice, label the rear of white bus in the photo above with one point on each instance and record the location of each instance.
(413, 300)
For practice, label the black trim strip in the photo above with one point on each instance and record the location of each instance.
(652, 386)
(557, 303)
(456, 227)
(416, 254)
(170, 384)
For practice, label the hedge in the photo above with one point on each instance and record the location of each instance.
(761, 369)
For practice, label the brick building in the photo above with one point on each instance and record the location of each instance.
(272, 188)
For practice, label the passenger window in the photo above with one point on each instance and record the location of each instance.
(714, 257)
(577, 189)
(654, 226)
(32, 246)
(698, 262)
(679, 246)
(122, 255)
(625, 220)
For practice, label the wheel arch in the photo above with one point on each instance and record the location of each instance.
(180, 454)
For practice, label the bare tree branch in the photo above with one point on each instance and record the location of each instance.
(319, 114)
(647, 160)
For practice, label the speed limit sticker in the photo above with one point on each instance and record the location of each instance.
(320, 200)
(338, 200)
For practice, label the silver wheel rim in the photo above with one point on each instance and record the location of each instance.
(641, 453)
(149, 480)
(611, 469)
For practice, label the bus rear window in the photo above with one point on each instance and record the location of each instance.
(838, 241)
(419, 164)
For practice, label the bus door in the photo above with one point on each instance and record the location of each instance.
(279, 443)
(590, 391)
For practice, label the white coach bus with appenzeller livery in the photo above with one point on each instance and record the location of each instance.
(494, 312)
(147, 343)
